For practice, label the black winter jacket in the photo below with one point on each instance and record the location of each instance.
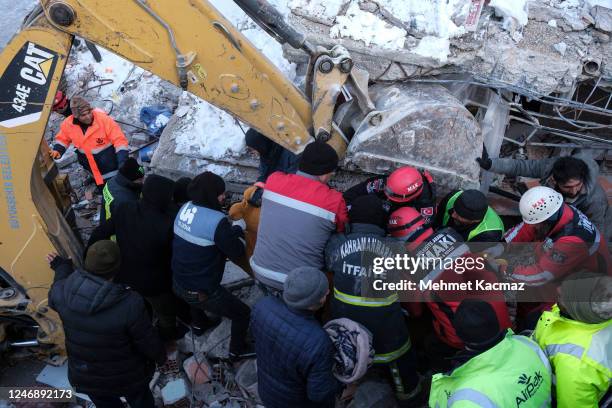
(294, 357)
(350, 257)
(111, 344)
(203, 240)
(144, 235)
(119, 190)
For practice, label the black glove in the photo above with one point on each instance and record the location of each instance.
(58, 260)
(484, 162)
(255, 199)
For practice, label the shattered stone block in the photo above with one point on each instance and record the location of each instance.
(197, 369)
(246, 378)
(217, 342)
(175, 393)
(374, 394)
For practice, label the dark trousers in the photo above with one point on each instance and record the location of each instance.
(222, 303)
(139, 399)
(404, 375)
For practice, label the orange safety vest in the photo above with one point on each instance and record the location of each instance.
(99, 145)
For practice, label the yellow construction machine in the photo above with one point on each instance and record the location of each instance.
(189, 43)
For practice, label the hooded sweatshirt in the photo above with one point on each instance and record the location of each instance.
(111, 344)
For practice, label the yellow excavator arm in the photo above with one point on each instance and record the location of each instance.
(189, 43)
(186, 42)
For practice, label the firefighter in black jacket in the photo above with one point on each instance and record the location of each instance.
(349, 256)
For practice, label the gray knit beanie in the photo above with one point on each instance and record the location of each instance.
(587, 297)
(304, 287)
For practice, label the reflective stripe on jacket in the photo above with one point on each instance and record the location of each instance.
(574, 243)
(580, 355)
(349, 256)
(98, 149)
(513, 373)
(490, 222)
(298, 215)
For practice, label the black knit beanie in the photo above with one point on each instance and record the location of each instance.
(103, 259)
(131, 170)
(475, 322)
(318, 159)
(157, 190)
(471, 204)
(180, 190)
(204, 190)
(257, 141)
(368, 209)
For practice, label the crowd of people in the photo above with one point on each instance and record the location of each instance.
(162, 246)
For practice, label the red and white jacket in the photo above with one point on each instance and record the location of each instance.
(298, 216)
(574, 244)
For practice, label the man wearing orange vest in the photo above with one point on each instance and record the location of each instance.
(100, 144)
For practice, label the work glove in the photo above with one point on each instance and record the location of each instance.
(55, 261)
(484, 162)
(55, 154)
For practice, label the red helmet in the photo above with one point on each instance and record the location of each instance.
(404, 185)
(408, 224)
(60, 102)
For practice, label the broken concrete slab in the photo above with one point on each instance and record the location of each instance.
(174, 392)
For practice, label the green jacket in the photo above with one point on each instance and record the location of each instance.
(580, 355)
(491, 223)
(514, 373)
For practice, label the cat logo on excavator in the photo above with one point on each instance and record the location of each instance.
(25, 84)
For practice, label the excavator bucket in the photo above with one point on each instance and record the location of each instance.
(420, 125)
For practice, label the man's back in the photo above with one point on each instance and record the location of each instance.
(294, 357)
(144, 234)
(110, 341)
(298, 215)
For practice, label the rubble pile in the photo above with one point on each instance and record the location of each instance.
(200, 374)
(542, 46)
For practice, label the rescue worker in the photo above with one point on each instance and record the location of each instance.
(100, 144)
(295, 356)
(203, 240)
(111, 344)
(299, 213)
(577, 337)
(404, 187)
(143, 230)
(272, 156)
(350, 260)
(61, 104)
(568, 240)
(575, 177)
(497, 368)
(467, 212)
(124, 187)
(179, 196)
(407, 225)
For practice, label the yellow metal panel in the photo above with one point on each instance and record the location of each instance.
(227, 70)
(32, 63)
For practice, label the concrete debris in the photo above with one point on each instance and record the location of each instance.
(174, 392)
(372, 393)
(197, 369)
(603, 18)
(497, 50)
(246, 378)
(560, 47)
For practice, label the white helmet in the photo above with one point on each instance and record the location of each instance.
(539, 203)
